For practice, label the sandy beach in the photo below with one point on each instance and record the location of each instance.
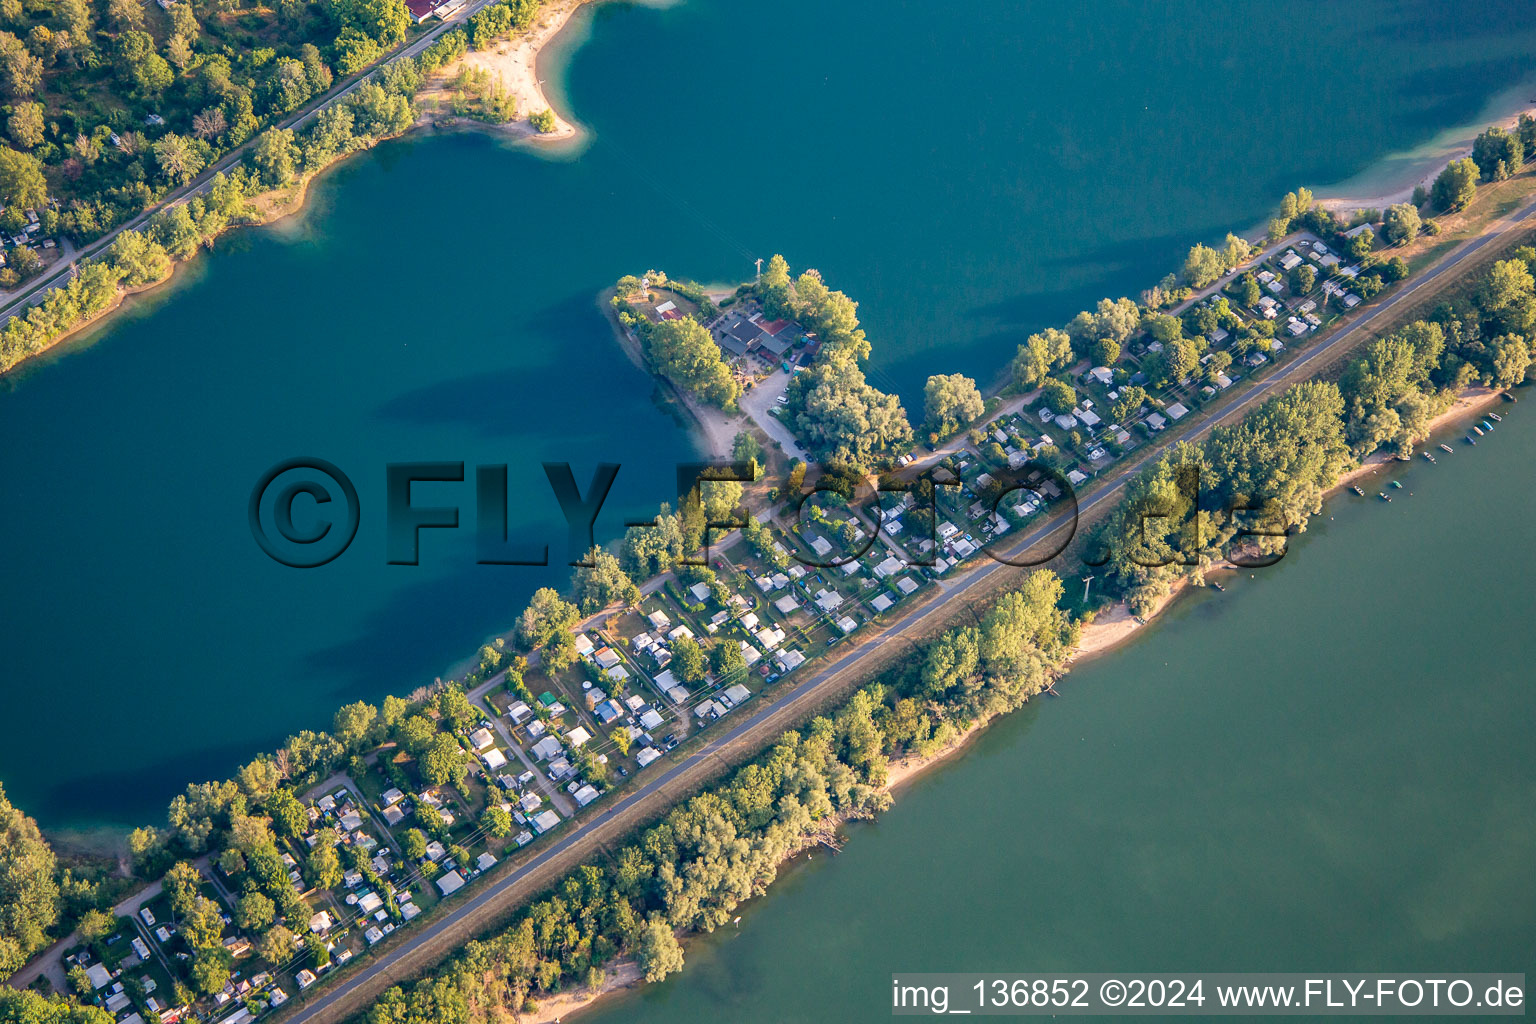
(516, 63)
(619, 975)
(714, 429)
(1441, 152)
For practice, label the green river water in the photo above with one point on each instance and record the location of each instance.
(1329, 768)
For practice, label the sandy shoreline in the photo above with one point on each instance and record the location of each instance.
(516, 63)
(515, 60)
(1444, 152)
(714, 429)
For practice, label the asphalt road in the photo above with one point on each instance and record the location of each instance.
(807, 692)
(61, 271)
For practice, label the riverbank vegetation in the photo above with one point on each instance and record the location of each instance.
(674, 342)
(1238, 492)
(117, 103)
(693, 869)
(220, 114)
(1247, 486)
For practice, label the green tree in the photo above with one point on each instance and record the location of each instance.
(287, 813)
(951, 401)
(210, 970)
(746, 448)
(354, 723)
(1456, 185)
(686, 354)
(603, 582)
(1059, 396)
(275, 156)
(454, 706)
(355, 50)
(178, 158)
(1497, 154)
(202, 924)
(79, 982)
(1132, 397)
(620, 739)
(139, 259)
(1361, 245)
(1401, 223)
(255, 912)
(444, 761)
(323, 868)
(1176, 361)
(658, 951)
(1040, 355)
(26, 124)
(277, 945)
(1105, 352)
(547, 614)
(21, 71)
(1303, 279)
(96, 925)
(688, 661)
(1511, 360)
(1116, 319)
(726, 659)
(21, 179)
(139, 67)
(543, 122)
(182, 885)
(1248, 291)
(415, 734)
(497, 822)
(841, 418)
(1202, 266)
(385, 21)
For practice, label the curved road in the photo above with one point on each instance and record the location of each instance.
(808, 690)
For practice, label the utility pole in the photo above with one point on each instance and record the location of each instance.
(1087, 582)
(759, 270)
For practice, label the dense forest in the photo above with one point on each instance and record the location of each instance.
(114, 103)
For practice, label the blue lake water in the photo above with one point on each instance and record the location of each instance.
(968, 175)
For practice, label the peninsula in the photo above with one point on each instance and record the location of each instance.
(825, 646)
